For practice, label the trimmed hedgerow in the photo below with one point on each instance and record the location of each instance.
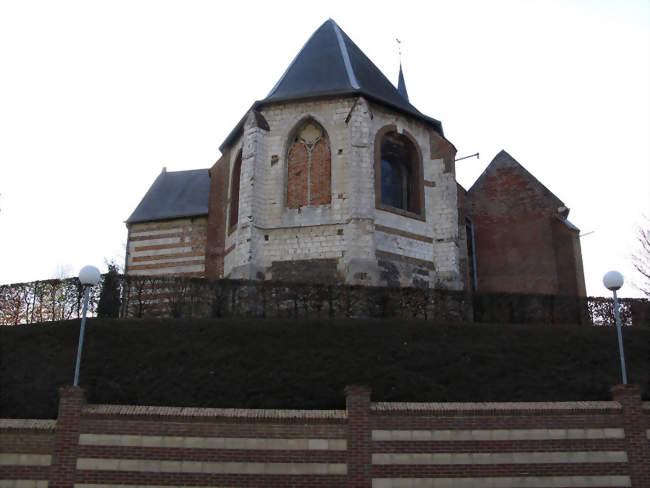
(272, 363)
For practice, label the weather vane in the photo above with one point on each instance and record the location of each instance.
(399, 49)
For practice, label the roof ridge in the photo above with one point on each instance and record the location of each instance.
(346, 56)
(382, 75)
(186, 170)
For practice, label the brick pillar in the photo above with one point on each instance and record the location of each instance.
(635, 424)
(359, 459)
(66, 441)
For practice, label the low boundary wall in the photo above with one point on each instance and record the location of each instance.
(369, 445)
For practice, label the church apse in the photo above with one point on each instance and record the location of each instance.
(335, 177)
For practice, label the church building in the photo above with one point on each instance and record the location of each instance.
(335, 177)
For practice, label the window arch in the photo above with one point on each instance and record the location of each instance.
(234, 193)
(309, 167)
(398, 172)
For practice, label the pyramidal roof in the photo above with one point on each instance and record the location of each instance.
(330, 64)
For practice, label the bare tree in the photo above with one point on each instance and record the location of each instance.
(641, 256)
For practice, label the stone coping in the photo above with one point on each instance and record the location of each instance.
(27, 424)
(233, 414)
(494, 408)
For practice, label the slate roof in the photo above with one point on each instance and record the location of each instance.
(174, 194)
(331, 64)
(401, 84)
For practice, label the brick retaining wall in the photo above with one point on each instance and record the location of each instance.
(378, 445)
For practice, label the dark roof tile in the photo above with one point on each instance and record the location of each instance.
(173, 195)
(331, 64)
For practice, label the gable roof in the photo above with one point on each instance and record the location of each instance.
(505, 160)
(174, 194)
(331, 64)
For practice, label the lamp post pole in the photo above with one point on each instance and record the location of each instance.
(88, 276)
(620, 338)
(81, 336)
(613, 280)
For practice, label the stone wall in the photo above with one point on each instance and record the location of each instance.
(349, 227)
(170, 247)
(434, 237)
(378, 445)
(306, 270)
(269, 230)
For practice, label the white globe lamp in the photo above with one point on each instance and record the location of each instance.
(89, 276)
(613, 280)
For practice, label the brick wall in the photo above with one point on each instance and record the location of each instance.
(26, 448)
(568, 259)
(217, 225)
(379, 445)
(560, 444)
(522, 244)
(171, 247)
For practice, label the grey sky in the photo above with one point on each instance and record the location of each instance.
(96, 97)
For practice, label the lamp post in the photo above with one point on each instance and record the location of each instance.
(613, 280)
(89, 276)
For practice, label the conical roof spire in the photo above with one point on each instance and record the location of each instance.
(330, 64)
(401, 85)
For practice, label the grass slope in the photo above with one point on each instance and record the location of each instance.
(277, 363)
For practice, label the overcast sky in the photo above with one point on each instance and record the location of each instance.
(96, 97)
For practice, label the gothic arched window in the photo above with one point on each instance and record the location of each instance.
(234, 193)
(399, 168)
(309, 167)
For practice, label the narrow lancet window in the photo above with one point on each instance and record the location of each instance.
(234, 193)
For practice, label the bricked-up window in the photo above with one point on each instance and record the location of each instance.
(399, 173)
(234, 193)
(309, 167)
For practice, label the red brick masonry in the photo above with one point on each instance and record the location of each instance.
(379, 445)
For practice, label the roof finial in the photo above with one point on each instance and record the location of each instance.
(401, 84)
